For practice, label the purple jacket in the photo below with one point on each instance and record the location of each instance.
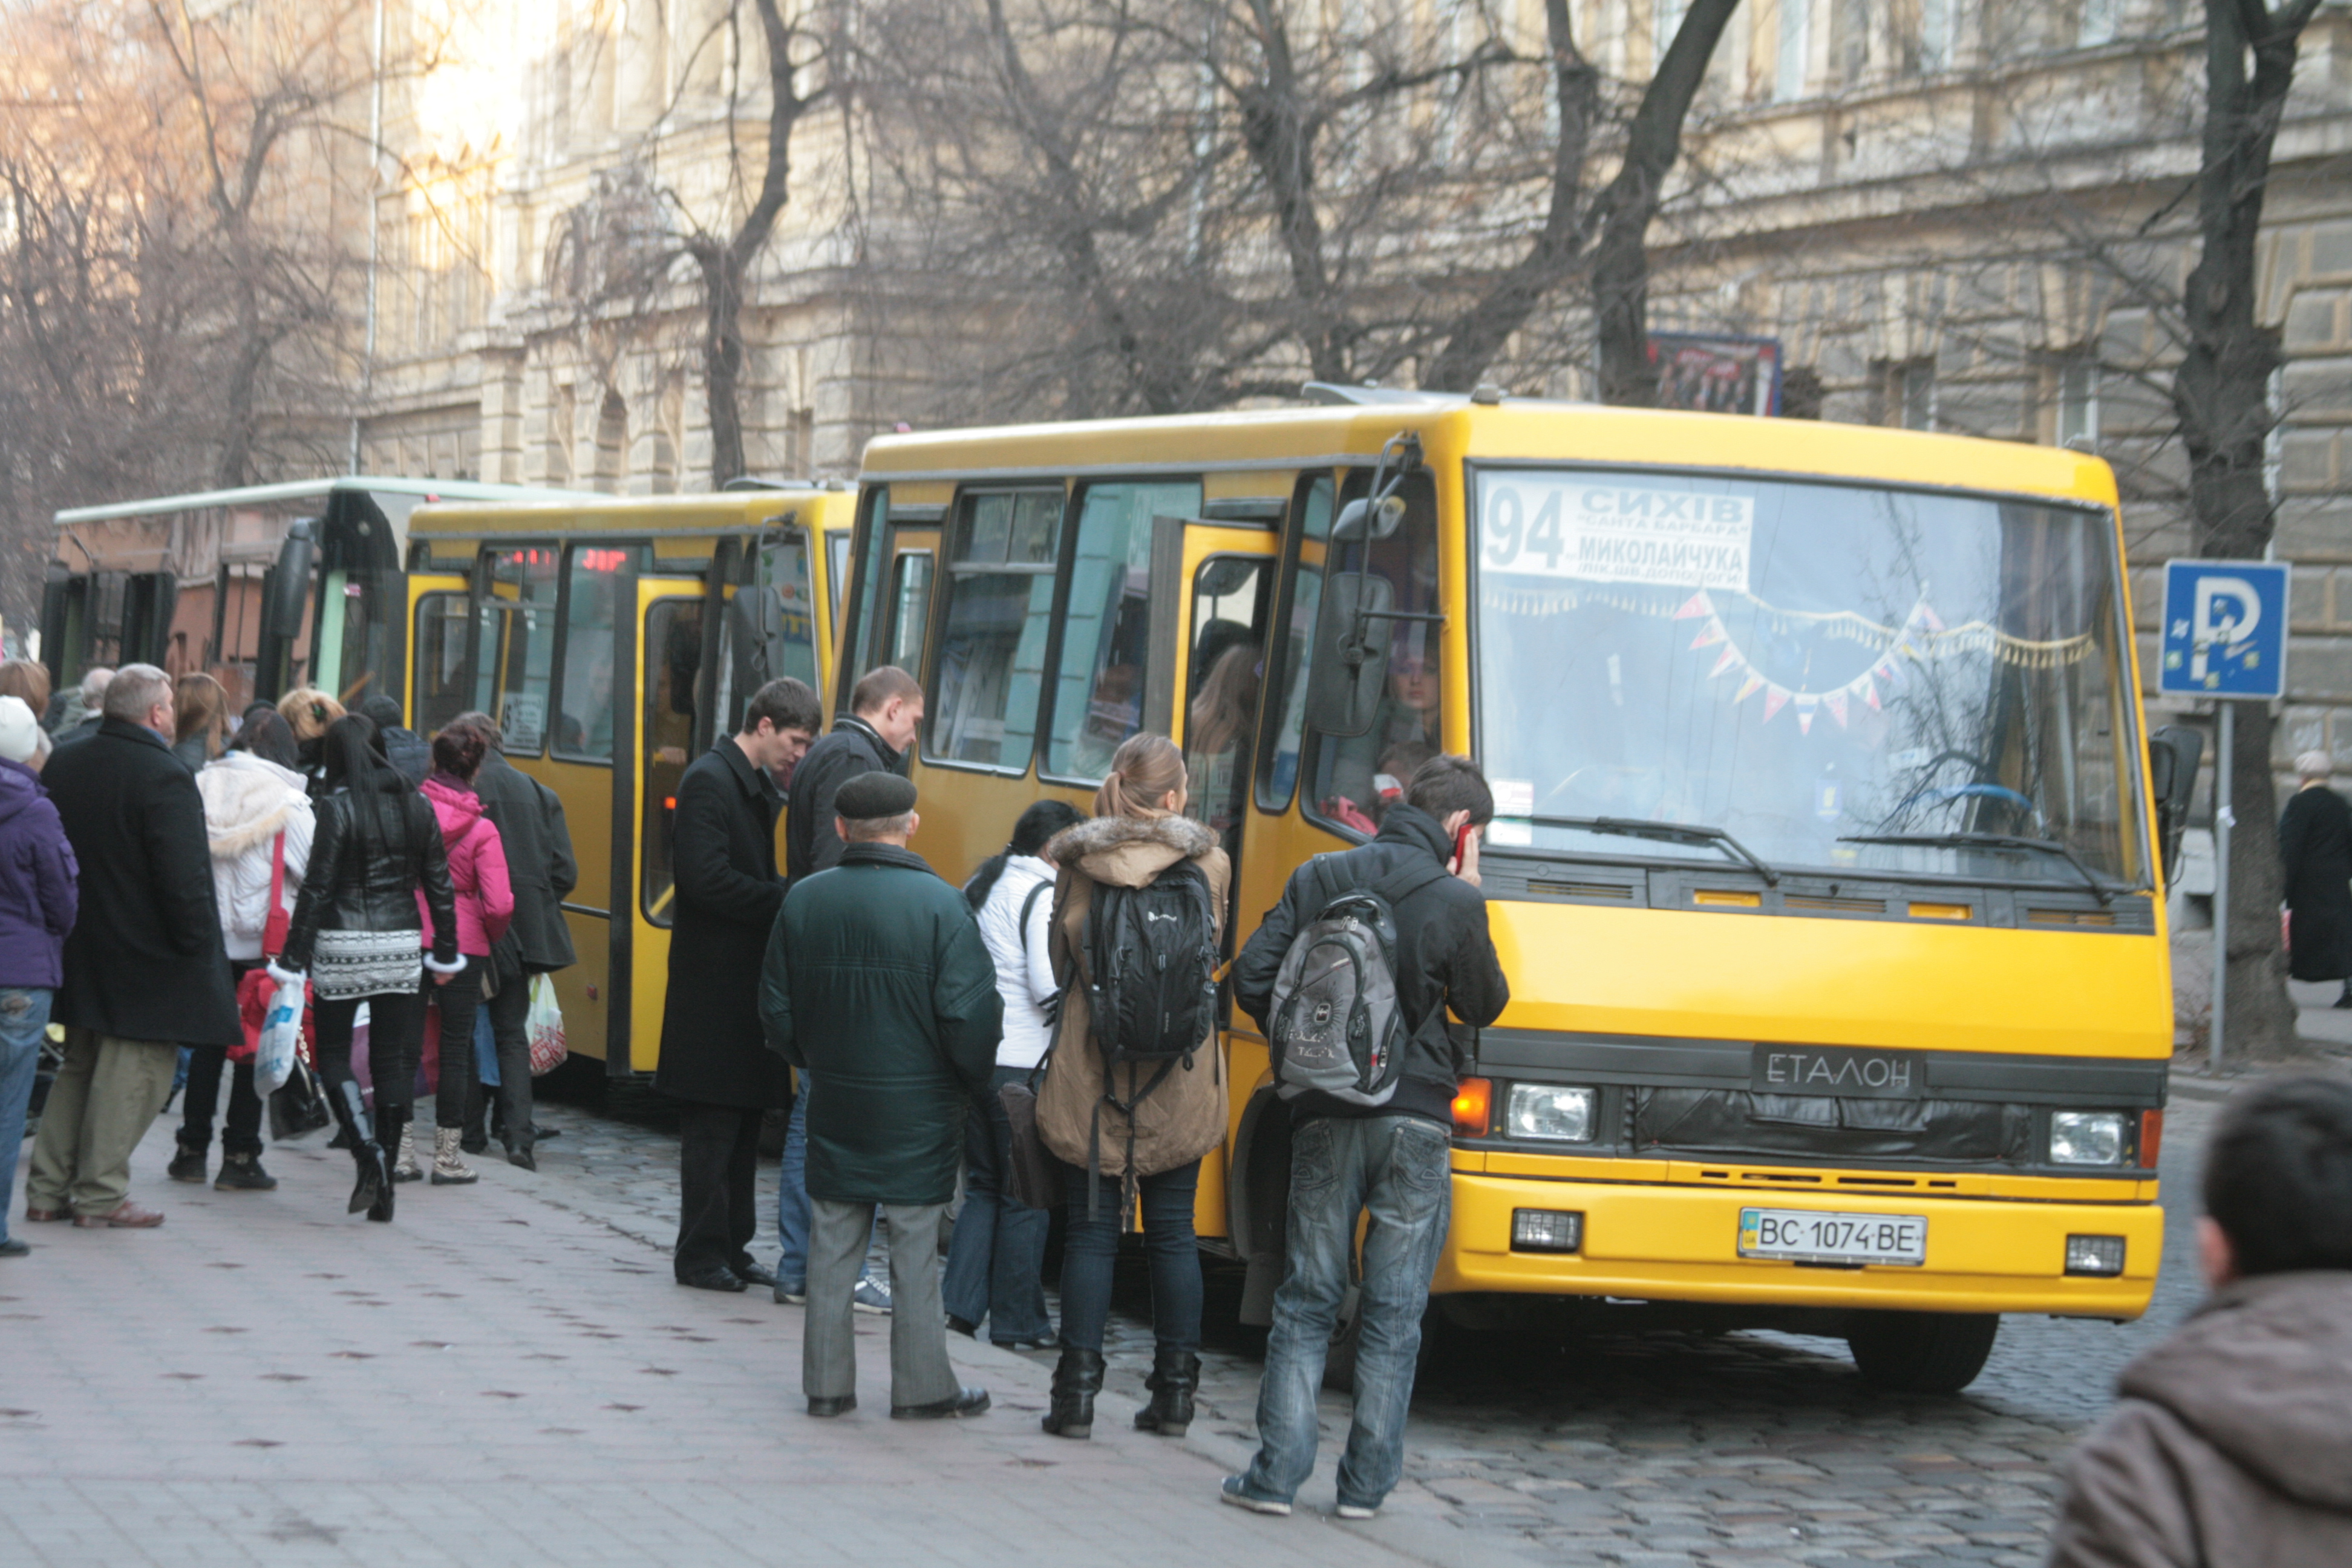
(37, 877)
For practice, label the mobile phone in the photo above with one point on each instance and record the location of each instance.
(1461, 844)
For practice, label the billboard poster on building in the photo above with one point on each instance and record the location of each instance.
(1717, 374)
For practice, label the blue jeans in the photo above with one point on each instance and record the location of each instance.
(1398, 1168)
(1093, 1245)
(792, 1202)
(23, 1022)
(997, 1258)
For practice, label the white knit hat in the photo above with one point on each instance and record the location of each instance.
(20, 731)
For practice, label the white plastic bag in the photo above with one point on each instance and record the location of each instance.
(545, 1022)
(281, 1036)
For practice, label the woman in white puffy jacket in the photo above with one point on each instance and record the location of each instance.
(251, 794)
(997, 1253)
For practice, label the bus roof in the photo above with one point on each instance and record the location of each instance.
(306, 490)
(1514, 428)
(835, 506)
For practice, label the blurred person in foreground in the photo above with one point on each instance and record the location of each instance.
(37, 910)
(29, 682)
(876, 983)
(145, 972)
(2230, 1443)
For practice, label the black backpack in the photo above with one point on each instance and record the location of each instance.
(1152, 986)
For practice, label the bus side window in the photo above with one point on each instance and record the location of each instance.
(1226, 670)
(525, 578)
(910, 609)
(1099, 689)
(864, 634)
(1000, 590)
(1277, 776)
(1358, 777)
(673, 634)
(583, 726)
(442, 689)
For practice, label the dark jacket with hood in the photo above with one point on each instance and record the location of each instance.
(371, 855)
(876, 981)
(2230, 1446)
(529, 820)
(852, 747)
(723, 858)
(144, 961)
(1445, 959)
(37, 878)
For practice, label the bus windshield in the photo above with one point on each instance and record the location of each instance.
(1802, 666)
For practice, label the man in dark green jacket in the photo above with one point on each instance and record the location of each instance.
(877, 985)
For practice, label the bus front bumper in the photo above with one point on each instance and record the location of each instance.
(1677, 1243)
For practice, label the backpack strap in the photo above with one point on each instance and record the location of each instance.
(274, 924)
(1029, 904)
(1408, 879)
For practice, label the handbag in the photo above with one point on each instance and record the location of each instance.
(545, 1024)
(255, 992)
(1032, 1176)
(299, 1105)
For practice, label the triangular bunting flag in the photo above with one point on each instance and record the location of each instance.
(1775, 699)
(1804, 720)
(1695, 606)
(1928, 614)
(1870, 694)
(1749, 688)
(1710, 634)
(1836, 703)
(1730, 658)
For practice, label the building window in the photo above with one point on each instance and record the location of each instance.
(1795, 42)
(2098, 23)
(1000, 589)
(1107, 634)
(2078, 404)
(1903, 393)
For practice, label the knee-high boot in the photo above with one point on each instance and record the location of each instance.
(367, 1155)
(1077, 1380)
(389, 1125)
(1175, 1376)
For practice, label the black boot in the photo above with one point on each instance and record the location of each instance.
(389, 1125)
(367, 1155)
(1175, 1376)
(1077, 1380)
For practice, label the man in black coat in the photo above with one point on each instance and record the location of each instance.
(714, 1053)
(540, 864)
(886, 713)
(1394, 1160)
(2314, 841)
(145, 972)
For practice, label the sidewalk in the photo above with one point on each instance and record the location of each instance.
(505, 1374)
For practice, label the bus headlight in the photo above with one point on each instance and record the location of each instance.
(1548, 1112)
(2086, 1138)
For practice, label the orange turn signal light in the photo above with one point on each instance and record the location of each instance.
(2151, 1138)
(1474, 1104)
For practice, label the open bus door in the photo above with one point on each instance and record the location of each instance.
(673, 726)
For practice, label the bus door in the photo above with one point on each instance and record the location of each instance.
(446, 674)
(664, 664)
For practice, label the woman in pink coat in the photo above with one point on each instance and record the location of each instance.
(477, 870)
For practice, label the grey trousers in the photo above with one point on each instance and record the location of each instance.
(838, 1232)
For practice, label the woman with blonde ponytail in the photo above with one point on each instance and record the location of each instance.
(1122, 1136)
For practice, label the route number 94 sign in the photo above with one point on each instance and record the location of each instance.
(1597, 531)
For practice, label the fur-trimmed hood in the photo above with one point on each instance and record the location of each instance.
(1129, 851)
(247, 800)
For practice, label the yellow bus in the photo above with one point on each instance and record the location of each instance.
(1826, 868)
(615, 640)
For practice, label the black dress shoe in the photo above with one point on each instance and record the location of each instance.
(963, 1326)
(967, 1402)
(753, 1274)
(713, 1278)
(541, 1132)
(835, 1405)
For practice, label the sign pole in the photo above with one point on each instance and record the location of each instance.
(2223, 820)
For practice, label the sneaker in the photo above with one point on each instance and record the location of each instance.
(1354, 1511)
(791, 1295)
(187, 1165)
(1233, 1493)
(871, 1296)
(243, 1173)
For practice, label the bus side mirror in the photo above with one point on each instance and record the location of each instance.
(1351, 662)
(288, 592)
(2173, 755)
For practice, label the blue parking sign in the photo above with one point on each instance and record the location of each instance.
(2224, 629)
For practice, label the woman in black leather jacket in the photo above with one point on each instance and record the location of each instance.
(356, 932)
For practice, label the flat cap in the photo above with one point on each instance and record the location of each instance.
(871, 795)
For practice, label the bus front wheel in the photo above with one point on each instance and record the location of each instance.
(1921, 1352)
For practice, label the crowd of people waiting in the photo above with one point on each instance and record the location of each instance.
(156, 852)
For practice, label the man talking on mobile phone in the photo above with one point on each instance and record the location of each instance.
(1390, 1157)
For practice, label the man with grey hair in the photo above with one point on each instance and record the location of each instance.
(145, 972)
(82, 723)
(2316, 853)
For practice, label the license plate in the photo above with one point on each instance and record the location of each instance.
(1806, 1236)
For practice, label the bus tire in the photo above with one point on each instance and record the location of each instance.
(1921, 1352)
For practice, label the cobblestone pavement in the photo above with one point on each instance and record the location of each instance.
(509, 1367)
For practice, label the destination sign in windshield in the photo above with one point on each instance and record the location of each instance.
(1557, 525)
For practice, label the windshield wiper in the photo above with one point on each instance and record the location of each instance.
(1674, 832)
(1990, 841)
